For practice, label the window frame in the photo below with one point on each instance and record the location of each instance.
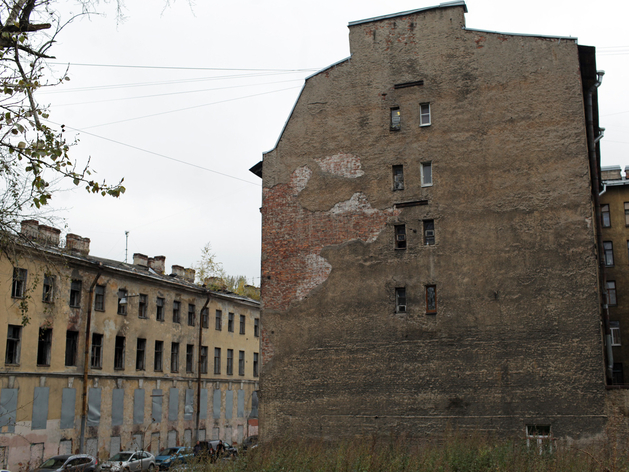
(203, 357)
(140, 354)
(217, 360)
(230, 362)
(205, 317)
(72, 348)
(123, 293)
(230, 322)
(44, 347)
(256, 364)
(48, 289)
(611, 291)
(99, 298)
(143, 303)
(218, 320)
(395, 118)
(174, 357)
(119, 352)
(190, 358)
(397, 176)
(256, 327)
(426, 176)
(241, 363)
(18, 287)
(160, 304)
(243, 321)
(192, 314)
(627, 214)
(177, 311)
(422, 114)
(96, 351)
(614, 330)
(400, 300)
(431, 301)
(76, 291)
(16, 345)
(399, 236)
(606, 223)
(608, 253)
(158, 356)
(429, 240)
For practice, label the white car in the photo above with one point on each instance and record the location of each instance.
(130, 461)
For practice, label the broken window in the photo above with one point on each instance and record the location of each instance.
(218, 320)
(398, 177)
(618, 377)
(426, 174)
(605, 216)
(159, 303)
(539, 436)
(203, 355)
(400, 300)
(241, 362)
(205, 317)
(14, 336)
(43, 346)
(140, 354)
(72, 347)
(614, 328)
(396, 119)
(230, 322)
(230, 362)
(142, 305)
(123, 300)
(256, 327)
(99, 298)
(19, 283)
(611, 292)
(189, 358)
(424, 114)
(176, 311)
(431, 299)
(75, 293)
(49, 285)
(174, 357)
(242, 324)
(217, 360)
(191, 314)
(159, 356)
(608, 249)
(97, 351)
(400, 236)
(429, 232)
(119, 352)
(255, 364)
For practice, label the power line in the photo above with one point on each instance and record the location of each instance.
(177, 68)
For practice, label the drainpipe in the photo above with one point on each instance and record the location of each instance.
(86, 358)
(593, 142)
(198, 418)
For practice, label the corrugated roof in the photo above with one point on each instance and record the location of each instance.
(458, 3)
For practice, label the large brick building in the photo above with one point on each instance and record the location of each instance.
(429, 246)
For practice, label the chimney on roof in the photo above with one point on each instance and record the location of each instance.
(30, 229)
(77, 244)
(611, 173)
(158, 264)
(189, 275)
(48, 235)
(178, 271)
(140, 260)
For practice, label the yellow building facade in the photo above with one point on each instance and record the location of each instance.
(166, 361)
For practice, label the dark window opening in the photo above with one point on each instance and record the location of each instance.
(159, 356)
(140, 354)
(230, 322)
(174, 357)
(217, 360)
(218, 320)
(608, 250)
(19, 283)
(203, 353)
(230, 362)
(189, 358)
(396, 119)
(256, 327)
(49, 286)
(142, 306)
(44, 346)
(191, 314)
(400, 300)
(426, 171)
(14, 336)
(99, 298)
(429, 232)
(75, 293)
(255, 364)
(97, 351)
(159, 303)
(176, 311)
(431, 299)
(242, 324)
(72, 347)
(205, 318)
(119, 353)
(398, 177)
(241, 362)
(400, 236)
(611, 292)
(617, 374)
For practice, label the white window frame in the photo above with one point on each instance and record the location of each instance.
(614, 329)
(422, 107)
(425, 183)
(542, 441)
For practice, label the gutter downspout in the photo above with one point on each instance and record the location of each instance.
(593, 142)
(86, 358)
(198, 418)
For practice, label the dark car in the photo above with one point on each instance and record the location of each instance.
(70, 463)
(172, 456)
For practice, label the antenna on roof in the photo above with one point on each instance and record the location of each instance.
(126, 245)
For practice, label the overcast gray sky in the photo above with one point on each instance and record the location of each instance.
(181, 101)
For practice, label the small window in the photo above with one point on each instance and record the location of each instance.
(142, 306)
(99, 298)
(431, 299)
(611, 292)
(44, 346)
(618, 377)
(75, 293)
(424, 114)
(230, 322)
(203, 354)
(176, 311)
(191, 314)
(217, 360)
(19, 283)
(140, 354)
(241, 362)
(159, 356)
(398, 177)
(218, 320)
(396, 119)
(426, 174)
(159, 304)
(119, 353)
(256, 327)
(97, 351)
(429, 232)
(614, 328)
(400, 236)
(400, 300)
(605, 216)
(242, 324)
(14, 336)
(49, 289)
(230, 362)
(123, 301)
(626, 213)
(205, 317)
(255, 364)
(539, 436)
(608, 248)
(189, 358)
(174, 357)
(72, 347)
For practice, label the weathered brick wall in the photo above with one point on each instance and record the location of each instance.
(516, 337)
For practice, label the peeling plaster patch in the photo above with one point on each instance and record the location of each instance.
(344, 165)
(108, 328)
(358, 202)
(320, 270)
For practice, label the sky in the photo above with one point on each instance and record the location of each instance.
(180, 99)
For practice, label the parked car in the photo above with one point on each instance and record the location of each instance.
(70, 463)
(130, 461)
(229, 450)
(172, 456)
(250, 442)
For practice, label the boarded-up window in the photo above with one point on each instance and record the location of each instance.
(138, 406)
(215, 434)
(254, 405)
(241, 404)
(37, 455)
(173, 405)
(228, 435)
(93, 407)
(91, 446)
(216, 404)
(156, 406)
(172, 439)
(8, 409)
(65, 446)
(68, 406)
(240, 434)
(114, 445)
(229, 404)
(154, 447)
(187, 437)
(137, 442)
(117, 411)
(4, 457)
(201, 435)
(203, 407)
(40, 408)
(188, 408)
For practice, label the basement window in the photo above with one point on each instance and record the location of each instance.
(431, 299)
(539, 436)
(400, 236)
(398, 177)
(429, 232)
(424, 114)
(19, 283)
(614, 328)
(396, 119)
(400, 300)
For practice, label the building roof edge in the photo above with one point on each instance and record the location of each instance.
(458, 3)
